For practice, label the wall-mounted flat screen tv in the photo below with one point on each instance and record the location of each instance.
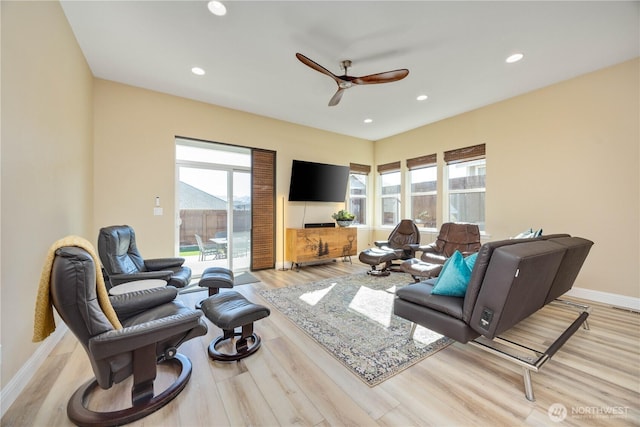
(318, 182)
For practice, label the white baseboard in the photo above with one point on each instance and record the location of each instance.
(19, 382)
(606, 298)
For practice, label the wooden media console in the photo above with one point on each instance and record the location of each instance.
(304, 245)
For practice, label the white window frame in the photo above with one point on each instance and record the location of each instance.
(397, 196)
(365, 197)
(411, 194)
(447, 192)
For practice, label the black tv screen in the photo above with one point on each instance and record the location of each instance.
(318, 182)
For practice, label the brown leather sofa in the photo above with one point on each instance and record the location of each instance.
(510, 280)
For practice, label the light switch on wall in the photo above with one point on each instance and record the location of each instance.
(157, 211)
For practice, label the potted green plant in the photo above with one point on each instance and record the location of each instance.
(343, 217)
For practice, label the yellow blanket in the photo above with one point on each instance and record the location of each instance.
(44, 323)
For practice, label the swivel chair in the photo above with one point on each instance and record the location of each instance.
(122, 261)
(153, 323)
(452, 237)
(400, 245)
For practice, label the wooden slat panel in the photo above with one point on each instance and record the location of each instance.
(263, 209)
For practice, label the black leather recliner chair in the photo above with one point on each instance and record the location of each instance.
(153, 322)
(401, 245)
(123, 263)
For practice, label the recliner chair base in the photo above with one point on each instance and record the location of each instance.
(143, 401)
(379, 273)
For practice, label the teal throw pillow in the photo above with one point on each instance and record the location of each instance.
(527, 234)
(471, 261)
(454, 277)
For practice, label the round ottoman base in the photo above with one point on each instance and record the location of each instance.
(243, 348)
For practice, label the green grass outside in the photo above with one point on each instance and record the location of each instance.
(189, 253)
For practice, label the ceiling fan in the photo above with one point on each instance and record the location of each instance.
(345, 82)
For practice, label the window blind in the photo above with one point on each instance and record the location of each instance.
(466, 153)
(389, 167)
(422, 161)
(358, 168)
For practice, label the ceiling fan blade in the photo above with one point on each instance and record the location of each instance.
(336, 97)
(308, 62)
(386, 77)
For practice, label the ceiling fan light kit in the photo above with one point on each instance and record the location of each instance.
(345, 81)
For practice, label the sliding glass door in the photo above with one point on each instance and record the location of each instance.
(214, 205)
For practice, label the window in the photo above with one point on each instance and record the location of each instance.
(466, 171)
(390, 187)
(358, 177)
(423, 181)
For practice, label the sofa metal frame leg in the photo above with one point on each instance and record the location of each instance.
(414, 325)
(528, 387)
(528, 364)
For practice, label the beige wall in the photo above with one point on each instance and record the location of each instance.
(564, 158)
(46, 158)
(135, 133)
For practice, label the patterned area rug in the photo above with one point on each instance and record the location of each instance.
(352, 318)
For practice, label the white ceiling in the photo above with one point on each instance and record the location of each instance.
(455, 52)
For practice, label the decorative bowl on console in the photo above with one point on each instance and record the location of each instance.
(344, 223)
(343, 217)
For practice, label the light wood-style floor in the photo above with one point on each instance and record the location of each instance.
(291, 380)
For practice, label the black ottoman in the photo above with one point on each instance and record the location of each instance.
(420, 270)
(215, 278)
(228, 311)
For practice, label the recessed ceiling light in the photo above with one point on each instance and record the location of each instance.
(514, 58)
(198, 71)
(368, 120)
(217, 8)
(422, 97)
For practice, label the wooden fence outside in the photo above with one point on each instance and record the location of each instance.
(210, 223)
